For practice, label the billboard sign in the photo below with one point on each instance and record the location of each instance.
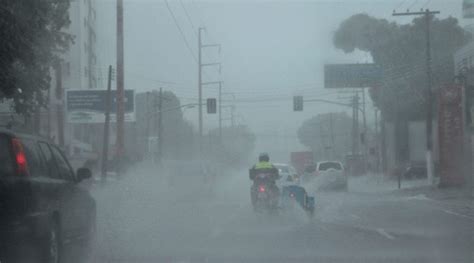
(451, 135)
(468, 9)
(351, 75)
(88, 106)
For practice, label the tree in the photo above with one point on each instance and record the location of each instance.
(237, 144)
(400, 51)
(178, 135)
(177, 132)
(31, 41)
(325, 141)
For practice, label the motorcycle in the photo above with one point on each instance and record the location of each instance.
(292, 194)
(265, 193)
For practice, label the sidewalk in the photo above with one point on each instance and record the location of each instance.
(457, 201)
(441, 194)
(377, 183)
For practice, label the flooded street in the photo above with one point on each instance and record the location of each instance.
(141, 220)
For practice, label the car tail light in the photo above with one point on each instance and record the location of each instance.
(261, 188)
(20, 157)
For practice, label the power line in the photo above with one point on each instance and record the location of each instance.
(181, 31)
(413, 4)
(189, 18)
(426, 3)
(400, 4)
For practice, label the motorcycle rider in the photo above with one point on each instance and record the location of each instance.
(264, 166)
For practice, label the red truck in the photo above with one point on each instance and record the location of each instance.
(300, 160)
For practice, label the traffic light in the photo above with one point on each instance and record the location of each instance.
(297, 103)
(211, 105)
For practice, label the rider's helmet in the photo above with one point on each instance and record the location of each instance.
(263, 157)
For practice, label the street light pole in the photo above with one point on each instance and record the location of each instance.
(160, 126)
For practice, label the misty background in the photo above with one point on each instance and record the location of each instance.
(271, 50)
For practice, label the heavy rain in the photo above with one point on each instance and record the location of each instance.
(236, 131)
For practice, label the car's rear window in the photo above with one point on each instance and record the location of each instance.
(6, 159)
(330, 165)
(282, 168)
(34, 161)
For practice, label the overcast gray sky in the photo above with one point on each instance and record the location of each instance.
(271, 50)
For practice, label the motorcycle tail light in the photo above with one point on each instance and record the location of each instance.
(261, 189)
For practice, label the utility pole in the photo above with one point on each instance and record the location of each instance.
(160, 126)
(429, 105)
(105, 146)
(155, 125)
(200, 84)
(232, 117)
(323, 140)
(377, 142)
(331, 126)
(383, 143)
(48, 120)
(147, 126)
(60, 105)
(120, 87)
(364, 134)
(355, 124)
(220, 111)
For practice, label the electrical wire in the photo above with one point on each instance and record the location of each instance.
(400, 4)
(426, 3)
(181, 32)
(413, 4)
(189, 18)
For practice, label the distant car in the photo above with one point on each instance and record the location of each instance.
(42, 206)
(330, 175)
(415, 170)
(287, 173)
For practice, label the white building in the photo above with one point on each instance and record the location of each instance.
(77, 71)
(80, 62)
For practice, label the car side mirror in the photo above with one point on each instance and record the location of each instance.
(83, 174)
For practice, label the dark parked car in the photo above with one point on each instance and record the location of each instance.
(42, 205)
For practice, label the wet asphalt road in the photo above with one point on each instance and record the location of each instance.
(141, 219)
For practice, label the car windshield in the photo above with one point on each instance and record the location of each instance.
(330, 165)
(147, 125)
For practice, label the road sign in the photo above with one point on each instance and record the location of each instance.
(468, 8)
(351, 75)
(88, 106)
(211, 105)
(297, 103)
